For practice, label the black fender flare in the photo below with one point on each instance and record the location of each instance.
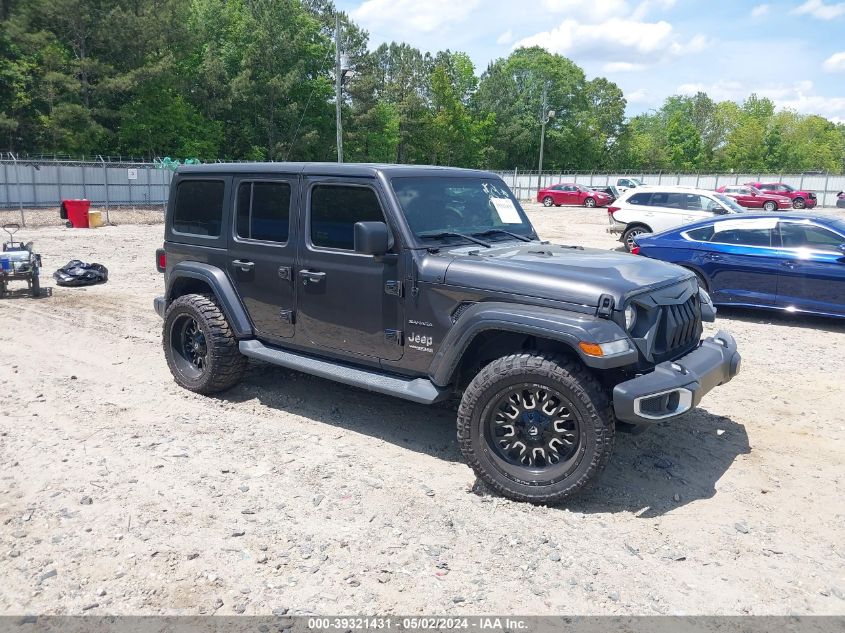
(556, 324)
(222, 288)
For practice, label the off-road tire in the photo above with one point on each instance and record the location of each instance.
(225, 364)
(565, 375)
(799, 203)
(35, 286)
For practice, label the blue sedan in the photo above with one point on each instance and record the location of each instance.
(782, 262)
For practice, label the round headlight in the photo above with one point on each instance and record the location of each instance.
(630, 317)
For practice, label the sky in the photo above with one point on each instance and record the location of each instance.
(792, 51)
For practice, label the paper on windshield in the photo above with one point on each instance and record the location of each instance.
(506, 210)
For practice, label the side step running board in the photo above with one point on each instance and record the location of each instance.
(419, 390)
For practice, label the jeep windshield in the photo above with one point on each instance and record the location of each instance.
(461, 209)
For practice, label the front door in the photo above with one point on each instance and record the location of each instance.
(812, 273)
(741, 262)
(345, 302)
(262, 253)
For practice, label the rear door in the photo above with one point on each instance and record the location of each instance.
(812, 272)
(345, 302)
(570, 194)
(262, 253)
(742, 262)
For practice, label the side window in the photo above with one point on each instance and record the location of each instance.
(744, 237)
(263, 211)
(659, 199)
(623, 183)
(701, 234)
(768, 188)
(199, 207)
(334, 211)
(640, 198)
(676, 201)
(795, 235)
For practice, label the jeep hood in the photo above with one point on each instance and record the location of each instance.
(561, 273)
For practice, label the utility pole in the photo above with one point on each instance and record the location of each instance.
(338, 77)
(545, 117)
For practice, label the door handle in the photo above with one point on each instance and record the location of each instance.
(313, 276)
(789, 265)
(713, 257)
(243, 265)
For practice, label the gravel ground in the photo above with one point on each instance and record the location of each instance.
(121, 493)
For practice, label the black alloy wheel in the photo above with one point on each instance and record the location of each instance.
(533, 429)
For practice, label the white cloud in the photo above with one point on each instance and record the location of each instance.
(639, 42)
(818, 9)
(505, 38)
(760, 10)
(798, 96)
(622, 67)
(641, 95)
(421, 16)
(647, 6)
(588, 10)
(835, 63)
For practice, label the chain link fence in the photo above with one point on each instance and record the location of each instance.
(31, 190)
(131, 191)
(525, 184)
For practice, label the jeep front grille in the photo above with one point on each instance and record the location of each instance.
(678, 329)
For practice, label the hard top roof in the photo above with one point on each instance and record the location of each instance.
(334, 169)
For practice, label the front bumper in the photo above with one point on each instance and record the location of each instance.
(675, 387)
(160, 305)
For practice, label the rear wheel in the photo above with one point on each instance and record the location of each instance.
(589, 202)
(799, 203)
(547, 201)
(770, 206)
(630, 235)
(35, 286)
(201, 349)
(536, 427)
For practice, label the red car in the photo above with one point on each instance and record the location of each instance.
(571, 193)
(800, 199)
(752, 198)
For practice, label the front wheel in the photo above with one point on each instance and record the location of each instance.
(799, 203)
(770, 206)
(536, 427)
(35, 286)
(589, 202)
(547, 201)
(201, 349)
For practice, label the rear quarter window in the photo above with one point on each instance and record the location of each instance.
(198, 209)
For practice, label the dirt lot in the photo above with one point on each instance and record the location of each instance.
(121, 493)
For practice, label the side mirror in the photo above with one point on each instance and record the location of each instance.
(371, 238)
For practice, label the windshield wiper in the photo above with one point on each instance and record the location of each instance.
(493, 231)
(440, 234)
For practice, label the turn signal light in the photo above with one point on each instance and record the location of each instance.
(635, 250)
(591, 349)
(161, 260)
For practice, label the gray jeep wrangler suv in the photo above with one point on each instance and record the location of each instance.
(425, 283)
